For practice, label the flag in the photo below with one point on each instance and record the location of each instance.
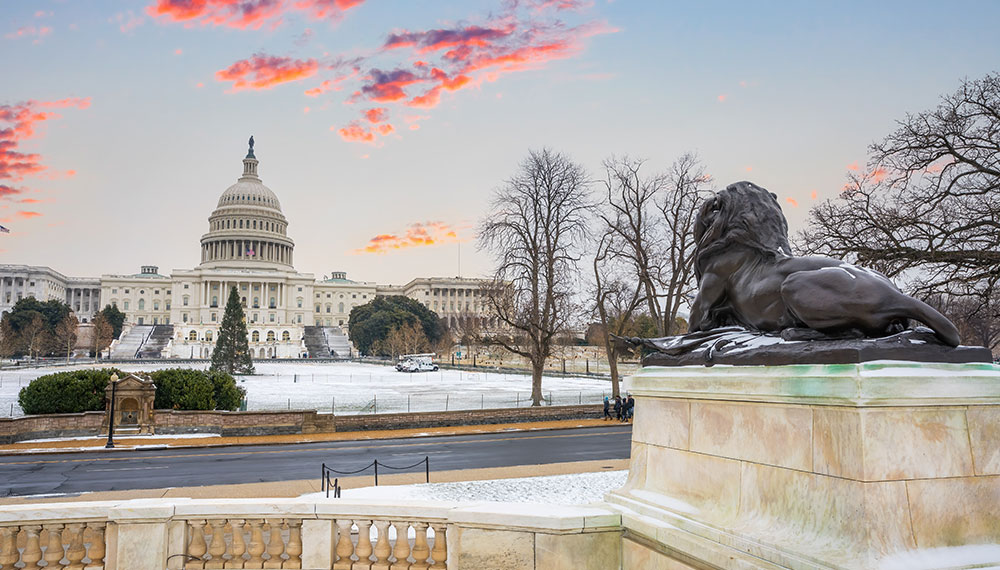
(4, 230)
(250, 251)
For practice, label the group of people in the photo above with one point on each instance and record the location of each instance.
(623, 408)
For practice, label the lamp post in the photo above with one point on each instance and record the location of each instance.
(111, 415)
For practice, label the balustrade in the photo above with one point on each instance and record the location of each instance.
(240, 543)
(392, 549)
(69, 546)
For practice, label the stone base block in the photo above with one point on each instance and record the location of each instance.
(808, 467)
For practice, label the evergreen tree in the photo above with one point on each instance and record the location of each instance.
(232, 351)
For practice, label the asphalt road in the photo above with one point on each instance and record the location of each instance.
(184, 467)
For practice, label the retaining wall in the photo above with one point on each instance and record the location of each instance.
(281, 422)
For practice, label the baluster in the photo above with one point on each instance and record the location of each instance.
(238, 547)
(345, 546)
(364, 548)
(420, 550)
(256, 545)
(97, 547)
(54, 546)
(276, 546)
(440, 552)
(382, 547)
(218, 546)
(197, 547)
(294, 548)
(401, 551)
(32, 549)
(75, 552)
(9, 555)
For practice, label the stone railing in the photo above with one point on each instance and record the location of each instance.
(336, 534)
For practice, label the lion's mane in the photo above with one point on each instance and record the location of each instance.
(744, 214)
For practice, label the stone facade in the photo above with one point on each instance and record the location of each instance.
(82, 294)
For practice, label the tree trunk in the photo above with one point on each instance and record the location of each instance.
(537, 368)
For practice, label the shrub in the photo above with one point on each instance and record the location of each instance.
(66, 392)
(186, 389)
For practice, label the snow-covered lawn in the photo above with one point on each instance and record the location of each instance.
(352, 388)
(575, 489)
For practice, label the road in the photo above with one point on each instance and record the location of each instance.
(183, 467)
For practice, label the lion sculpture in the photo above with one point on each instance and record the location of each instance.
(747, 277)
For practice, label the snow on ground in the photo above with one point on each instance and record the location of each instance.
(575, 489)
(352, 388)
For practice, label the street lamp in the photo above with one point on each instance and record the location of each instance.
(111, 415)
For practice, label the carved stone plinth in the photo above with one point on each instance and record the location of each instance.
(857, 466)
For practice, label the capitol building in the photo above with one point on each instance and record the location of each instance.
(247, 246)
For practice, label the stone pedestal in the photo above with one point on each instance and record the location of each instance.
(860, 466)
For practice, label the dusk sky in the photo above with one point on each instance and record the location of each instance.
(383, 126)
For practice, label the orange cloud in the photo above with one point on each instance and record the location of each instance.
(265, 71)
(419, 234)
(721, 98)
(26, 214)
(853, 166)
(793, 202)
(814, 195)
(319, 90)
(356, 133)
(376, 115)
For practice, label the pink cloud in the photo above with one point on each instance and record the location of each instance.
(36, 33)
(793, 202)
(178, 51)
(721, 98)
(853, 166)
(376, 115)
(245, 14)
(20, 122)
(265, 71)
(128, 21)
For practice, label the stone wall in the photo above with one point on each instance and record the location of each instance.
(281, 422)
(50, 425)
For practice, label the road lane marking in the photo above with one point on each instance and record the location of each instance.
(362, 444)
(127, 469)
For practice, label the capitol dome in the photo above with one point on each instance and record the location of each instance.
(247, 229)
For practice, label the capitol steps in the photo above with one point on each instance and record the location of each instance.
(156, 342)
(336, 340)
(315, 340)
(129, 344)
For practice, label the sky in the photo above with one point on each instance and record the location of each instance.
(385, 126)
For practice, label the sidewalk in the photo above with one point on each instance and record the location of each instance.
(125, 443)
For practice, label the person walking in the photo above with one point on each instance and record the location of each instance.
(618, 408)
(628, 408)
(607, 409)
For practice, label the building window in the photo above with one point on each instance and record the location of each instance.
(255, 336)
(272, 304)
(256, 302)
(184, 317)
(185, 300)
(328, 307)
(299, 302)
(185, 285)
(270, 336)
(340, 308)
(214, 318)
(298, 318)
(142, 291)
(285, 335)
(317, 308)
(125, 305)
(126, 291)
(156, 291)
(300, 289)
(114, 291)
(215, 301)
(270, 317)
(208, 336)
(156, 305)
(193, 335)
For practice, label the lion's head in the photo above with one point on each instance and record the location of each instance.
(743, 213)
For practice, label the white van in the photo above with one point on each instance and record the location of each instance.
(416, 363)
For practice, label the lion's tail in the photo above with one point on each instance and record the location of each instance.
(943, 328)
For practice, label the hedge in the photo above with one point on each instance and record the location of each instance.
(176, 388)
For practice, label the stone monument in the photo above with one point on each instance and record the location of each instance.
(803, 423)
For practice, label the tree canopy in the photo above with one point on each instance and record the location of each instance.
(927, 207)
(115, 318)
(30, 327)
(371, 324)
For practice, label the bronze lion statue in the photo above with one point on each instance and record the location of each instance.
(748, 277)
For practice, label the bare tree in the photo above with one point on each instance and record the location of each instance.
(650, 223)
(407, 338)
(536, 221)
(103, 334)
(616, 300)
(65, 333)
(35, 335)
(927, 207)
